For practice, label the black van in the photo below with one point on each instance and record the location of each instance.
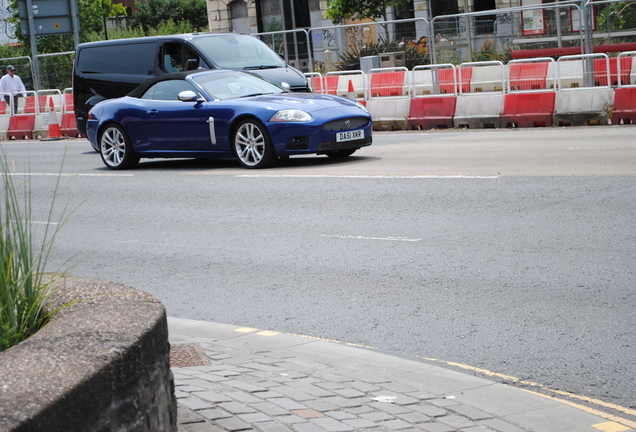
(113, 68)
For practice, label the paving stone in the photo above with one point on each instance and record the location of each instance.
(287, 403)
(272, 427)
(342, 402)
(265, 367)
(360, 410)
(308, 380)
(406, 400)
(349, 393)
(268, 394)
(212, 397)
(477, 429)
(397, 387)
(340, 415)
(456, 421)
(436, 427)
(180, 394)
(414, 417)
(320, 405)
(308, 413)
(443, 402)
(395, 424)
(428, 410)
(389, 407)
(194, 403)
(292, 393)
(331, 425)
(420, 395)
(233, 424)
(307, 427)
(188, 388)
(203, 427)
(364, 387)
(290, 419)
(210, 377)
(358, 423)
(255, 418)
(470, 412)
(250, 379)
(244, 397)
(270, 408)
(377, 416)
(185, 416)
(311, 389)
(333, 377)
(500, 425)
(214, 413)
(330, 385)
(245, 386)
(236, 408)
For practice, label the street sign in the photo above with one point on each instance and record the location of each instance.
(50, 17)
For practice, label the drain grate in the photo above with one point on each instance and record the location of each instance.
(187, 355)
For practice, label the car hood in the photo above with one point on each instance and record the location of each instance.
(291, 76)
(306, 101)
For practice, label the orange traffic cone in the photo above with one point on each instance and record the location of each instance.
(54, 126)
(351, 94)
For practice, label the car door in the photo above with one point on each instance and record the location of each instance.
(170, 124)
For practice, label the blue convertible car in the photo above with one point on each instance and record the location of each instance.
(224, 114)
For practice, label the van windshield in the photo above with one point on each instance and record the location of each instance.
(235, 51)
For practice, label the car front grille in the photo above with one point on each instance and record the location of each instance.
(346, 124)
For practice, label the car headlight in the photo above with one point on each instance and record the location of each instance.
(362, 106)
(291, 115)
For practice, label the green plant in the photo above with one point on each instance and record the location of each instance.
(350, 60)
(489, 52)
(24, 286)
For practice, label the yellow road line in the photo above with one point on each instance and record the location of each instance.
(559, 392)
(610, 427)
(245, 330)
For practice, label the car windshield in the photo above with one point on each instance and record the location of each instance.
(234, 51)
(232, 85)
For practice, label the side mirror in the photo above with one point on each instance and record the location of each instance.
(193, 64)
(189, 96)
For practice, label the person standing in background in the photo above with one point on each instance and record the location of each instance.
(12, 84)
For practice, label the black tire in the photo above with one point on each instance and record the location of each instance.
(341, 153)
(115, 148)
(252, 145)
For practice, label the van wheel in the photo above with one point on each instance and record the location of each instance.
(115, 148)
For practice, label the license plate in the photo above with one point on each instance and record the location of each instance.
(349, 136)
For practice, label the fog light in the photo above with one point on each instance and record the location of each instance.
(298, 143)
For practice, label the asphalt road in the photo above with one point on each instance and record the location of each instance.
(508, 252)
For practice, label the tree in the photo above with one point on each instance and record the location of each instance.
(150, 14)
(340, 10)
(91, 15)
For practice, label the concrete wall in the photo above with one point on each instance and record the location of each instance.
(101, 364)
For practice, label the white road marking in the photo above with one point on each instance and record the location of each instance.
(73, 174)
(403, 239)
(368, 176)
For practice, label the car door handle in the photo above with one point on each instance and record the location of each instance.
(153, 112)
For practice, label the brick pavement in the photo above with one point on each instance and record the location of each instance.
(237, 380)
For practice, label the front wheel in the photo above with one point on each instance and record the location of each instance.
(115, 148)
(252, 144)
(341, 153)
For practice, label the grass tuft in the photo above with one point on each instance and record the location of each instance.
(24, 286)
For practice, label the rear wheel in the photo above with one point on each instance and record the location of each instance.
(341, 153)
(115, 148)
(252, 144)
